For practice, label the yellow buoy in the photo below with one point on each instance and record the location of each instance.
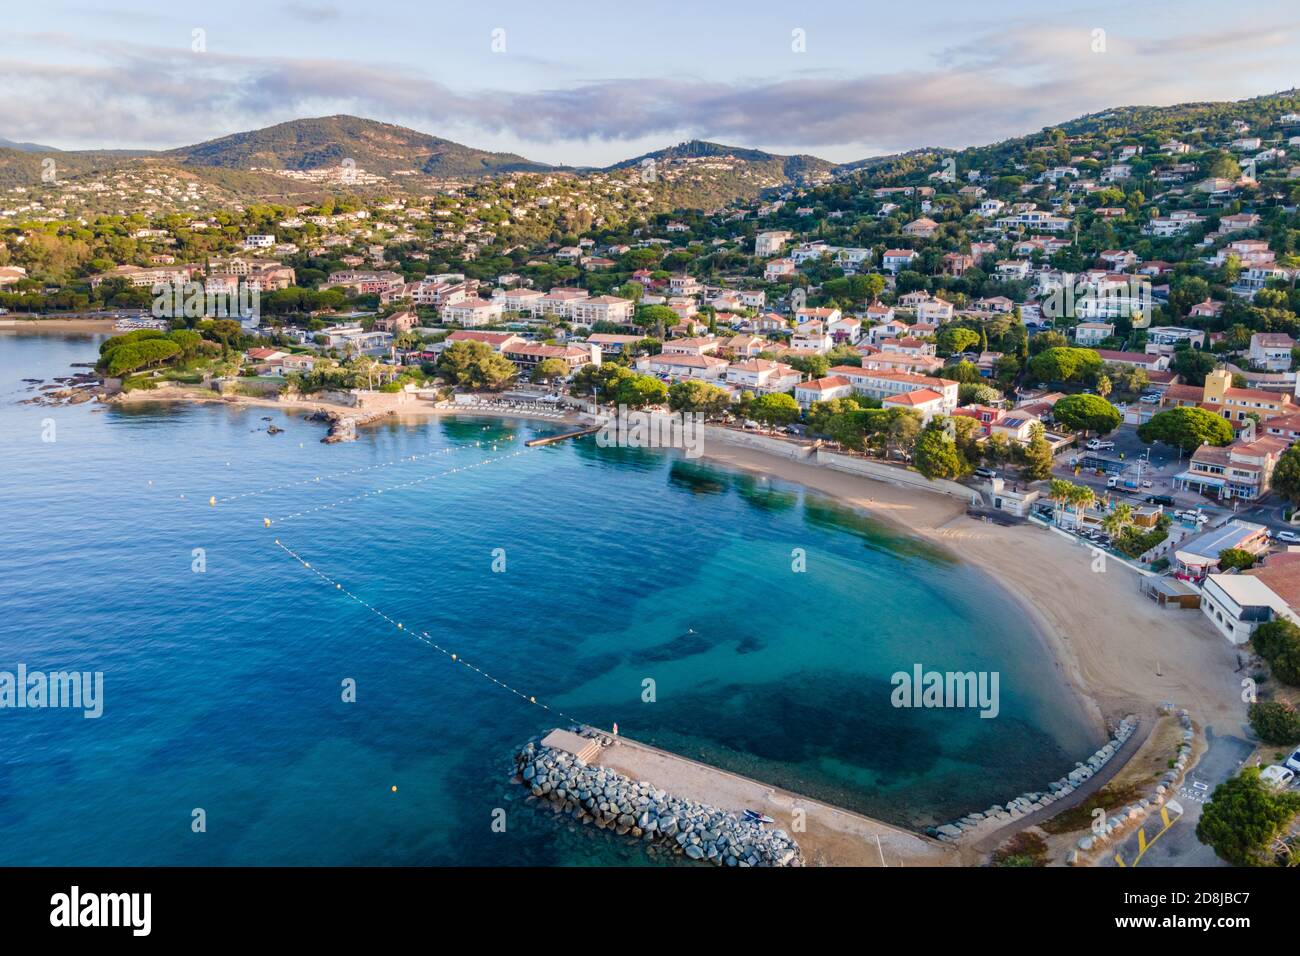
(266, 522)
(532, 700)
(213, 501)
(453, 657)
(394, 788)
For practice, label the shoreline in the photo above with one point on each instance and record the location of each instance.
(12, 322)
(379, 410)
(1118, 651)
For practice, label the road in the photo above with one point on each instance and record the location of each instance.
(1168, 838)
(1160, 467)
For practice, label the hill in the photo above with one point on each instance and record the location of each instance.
(326, 142)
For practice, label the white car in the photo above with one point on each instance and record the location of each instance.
(1277, 776)
(1149, 399)
(1290, 537)
(1097, 444)
(1293, 762)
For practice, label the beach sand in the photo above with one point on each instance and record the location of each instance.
(1120, 651)
(14, 323)
(378, 405)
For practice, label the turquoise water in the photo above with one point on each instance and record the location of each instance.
(223, 689)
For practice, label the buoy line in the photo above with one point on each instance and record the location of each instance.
(222, 499)
(398, 487)
(422, 636)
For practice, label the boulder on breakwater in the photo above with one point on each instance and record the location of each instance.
(600, 797)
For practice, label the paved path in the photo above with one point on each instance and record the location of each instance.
(828, 835)
(1170, 839)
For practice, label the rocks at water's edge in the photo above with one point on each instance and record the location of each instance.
(1028, 803)
(600, 797)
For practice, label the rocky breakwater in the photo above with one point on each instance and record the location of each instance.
(1001, 814)
(600, 797)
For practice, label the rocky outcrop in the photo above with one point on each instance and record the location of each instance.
(608, 800)
(343, 425)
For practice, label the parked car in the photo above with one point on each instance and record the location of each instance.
(1096, 444)
(1149, 399)
(1163, 500)
(1277, 776)
(1290, 537)
(1293, 762)
(985, 473)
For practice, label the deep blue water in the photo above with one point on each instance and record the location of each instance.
(223, 688)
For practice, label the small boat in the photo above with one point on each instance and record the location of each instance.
(756, 817)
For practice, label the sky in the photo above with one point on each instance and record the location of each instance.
(583, 83)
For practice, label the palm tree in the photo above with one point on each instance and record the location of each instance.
(1058, 491)
(1081, 497)
(1119, 518)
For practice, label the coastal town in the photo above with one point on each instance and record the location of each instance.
(1087, 334)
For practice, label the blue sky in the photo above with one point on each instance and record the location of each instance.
(586, 83)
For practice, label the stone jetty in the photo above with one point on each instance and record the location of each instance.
(1027, 803)
(555, 771)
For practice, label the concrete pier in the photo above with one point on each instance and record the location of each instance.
(827, 835)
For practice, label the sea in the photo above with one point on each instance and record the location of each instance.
(261, 705)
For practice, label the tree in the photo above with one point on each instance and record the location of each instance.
(603, 378)
(1244, 818)
(1037, 455)
(820, 414)
(1086, 413)
(997, 449)
(1235, 558)
(1063, 364)
(1058, 491)
(638, 391)
(977, 393)
(935, 453)
(1117, 519)
(1192, 364)
(1286, 474)
(954, 339)
(1187, 428)
(968, 373)
(774, 408)
(548, 370)
(697, 396)
(1275, 722)
(476, 365)
(134, 356)
(1278, 642)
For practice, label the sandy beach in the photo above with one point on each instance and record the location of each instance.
(378, 405)
(17, 324)
(1119, 650)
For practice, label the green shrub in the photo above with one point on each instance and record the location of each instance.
(1275, 722)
